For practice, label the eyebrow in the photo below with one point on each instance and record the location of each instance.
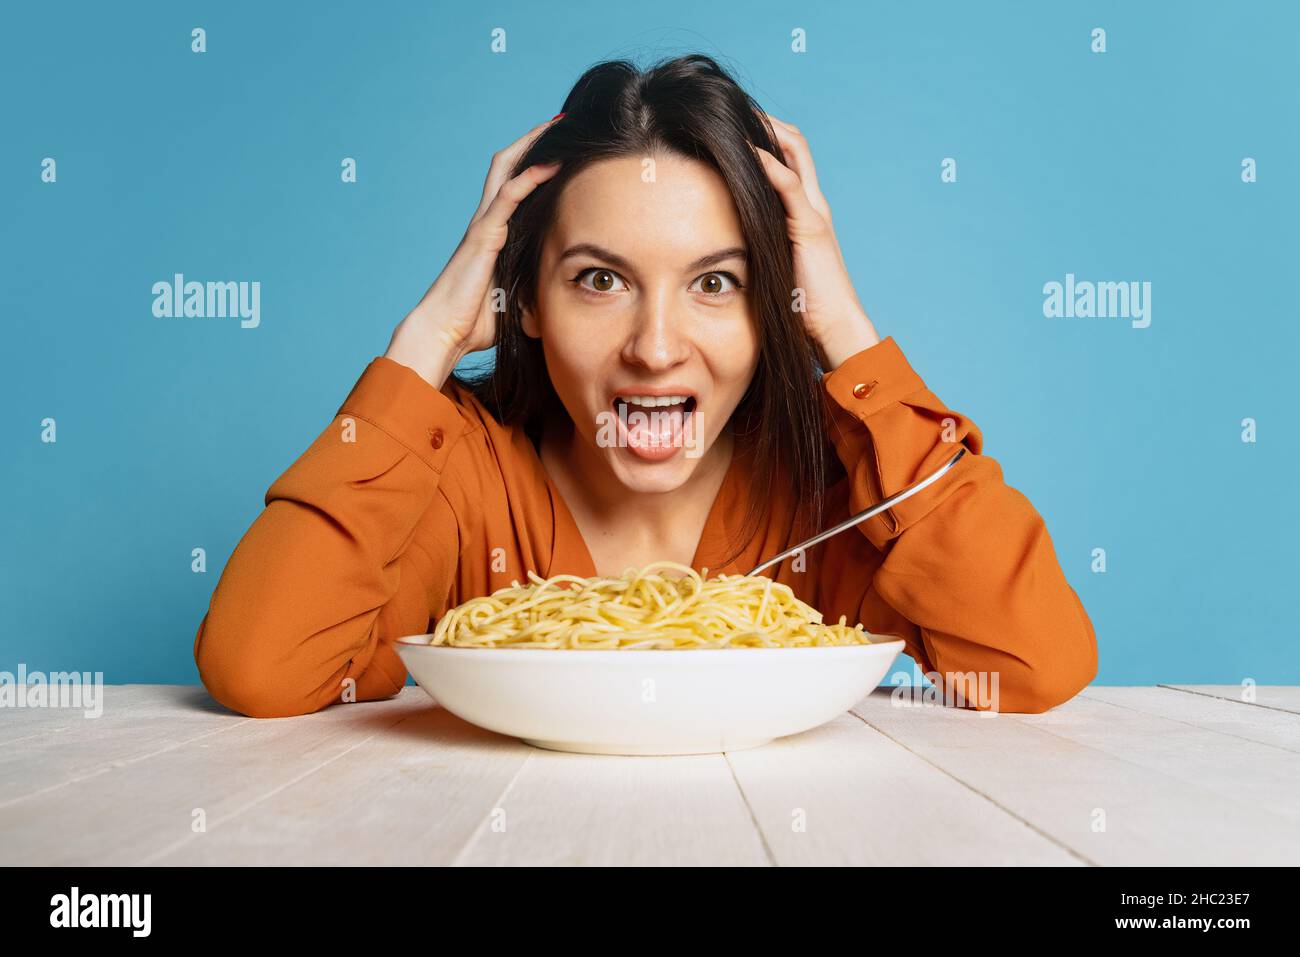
(614, 259)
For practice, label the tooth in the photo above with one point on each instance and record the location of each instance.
(652, 401)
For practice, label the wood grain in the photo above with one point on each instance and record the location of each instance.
(1117, 776)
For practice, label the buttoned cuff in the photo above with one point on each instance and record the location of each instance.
(872, 379)
(886, 426)
(400, 402)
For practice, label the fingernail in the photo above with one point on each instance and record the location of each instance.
(556, 117)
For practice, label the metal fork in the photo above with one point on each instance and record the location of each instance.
(863, 516)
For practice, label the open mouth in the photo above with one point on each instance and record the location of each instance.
(655, 427)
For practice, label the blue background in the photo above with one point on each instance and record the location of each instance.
(225, 166)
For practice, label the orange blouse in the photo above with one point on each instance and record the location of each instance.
(415, 499)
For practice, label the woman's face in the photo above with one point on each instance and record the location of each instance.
(643, 300)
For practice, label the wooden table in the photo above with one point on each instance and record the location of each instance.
(1117, 776)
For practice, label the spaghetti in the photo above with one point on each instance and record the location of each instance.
(642, 610)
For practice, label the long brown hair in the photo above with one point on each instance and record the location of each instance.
(691, 106)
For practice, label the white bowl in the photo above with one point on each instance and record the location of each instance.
(648, 702)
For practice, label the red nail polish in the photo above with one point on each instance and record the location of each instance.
(556, 117)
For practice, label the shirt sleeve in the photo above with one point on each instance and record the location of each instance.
(968, 559)
(326, 576)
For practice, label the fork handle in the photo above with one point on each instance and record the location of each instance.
(863, 516)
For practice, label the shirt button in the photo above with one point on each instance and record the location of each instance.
(863, 389)
(435, 438)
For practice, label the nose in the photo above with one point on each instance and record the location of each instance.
(657, 340)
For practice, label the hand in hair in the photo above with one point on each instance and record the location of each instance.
(833, 316)
(457, 315)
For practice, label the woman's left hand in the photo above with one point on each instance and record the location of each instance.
(832, 313)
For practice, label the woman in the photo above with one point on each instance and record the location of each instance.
(683, 371)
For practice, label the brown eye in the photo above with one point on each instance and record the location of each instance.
(602, 280)
(717, 284)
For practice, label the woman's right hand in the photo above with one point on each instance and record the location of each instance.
(455, 317)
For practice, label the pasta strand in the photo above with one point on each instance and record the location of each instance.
(643, 610)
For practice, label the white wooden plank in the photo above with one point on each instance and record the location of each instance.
(1281, 729)
(141, 806)
(596, 809)
(1279, 697)
(845, 794)
(137, 721)
(1256, 776)
(1108, 809)
(413, 794)
(23, 722)
(1184, 778)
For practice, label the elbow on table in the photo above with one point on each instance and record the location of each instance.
(1041, 692)
(1044, 685)
(245, 680)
